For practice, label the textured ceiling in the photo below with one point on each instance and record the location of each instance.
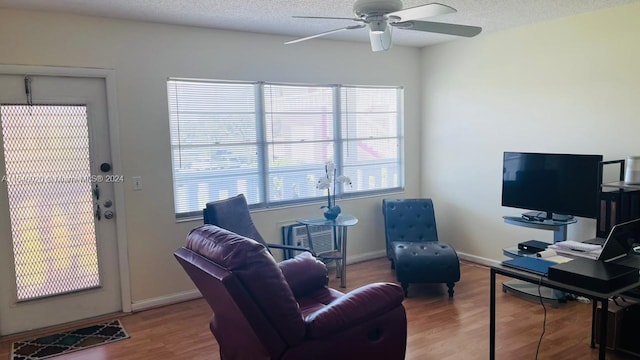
(274, 16)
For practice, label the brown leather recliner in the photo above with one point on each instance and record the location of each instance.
(268, 310)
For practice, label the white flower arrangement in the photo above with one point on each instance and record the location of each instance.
(329, 181)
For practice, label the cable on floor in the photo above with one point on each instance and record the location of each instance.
(544, 320)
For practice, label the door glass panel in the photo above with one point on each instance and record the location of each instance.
(48, 173)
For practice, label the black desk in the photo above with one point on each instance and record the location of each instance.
(544, 281)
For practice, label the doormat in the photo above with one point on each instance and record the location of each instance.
(65, 342)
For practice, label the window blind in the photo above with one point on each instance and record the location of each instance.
(270, 141)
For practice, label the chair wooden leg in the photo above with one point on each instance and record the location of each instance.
(450, 286)
(405, 288)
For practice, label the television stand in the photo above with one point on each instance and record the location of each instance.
(559, 228)
(527, 290)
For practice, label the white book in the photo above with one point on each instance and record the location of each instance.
(593, 254)
(577, 245)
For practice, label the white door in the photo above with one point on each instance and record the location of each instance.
(58, 245)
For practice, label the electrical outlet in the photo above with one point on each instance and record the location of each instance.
(137, 182)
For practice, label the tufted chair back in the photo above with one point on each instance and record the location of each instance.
(410, 220)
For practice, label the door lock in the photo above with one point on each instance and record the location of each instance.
(96, 192)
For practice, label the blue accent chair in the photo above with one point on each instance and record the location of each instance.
(413, 247)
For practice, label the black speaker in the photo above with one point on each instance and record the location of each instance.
(629, 329)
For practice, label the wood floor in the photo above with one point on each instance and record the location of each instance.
(438, 327)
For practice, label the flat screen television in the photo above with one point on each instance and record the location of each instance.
(556, 186)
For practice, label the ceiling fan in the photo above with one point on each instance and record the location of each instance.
(381, 15)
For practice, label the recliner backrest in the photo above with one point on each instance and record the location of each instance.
(245, 289)
(220, 288)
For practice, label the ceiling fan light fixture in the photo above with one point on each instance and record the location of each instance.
(380, 41)
(378, 26)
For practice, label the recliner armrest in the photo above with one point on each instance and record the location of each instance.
(354, 308)
(304, 274)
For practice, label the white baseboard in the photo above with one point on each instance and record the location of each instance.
(478, 259)
(165, 300)
(366, 256)
(195, 294)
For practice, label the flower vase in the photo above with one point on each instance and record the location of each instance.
(331, 213)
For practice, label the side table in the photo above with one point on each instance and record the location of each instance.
(339, 225)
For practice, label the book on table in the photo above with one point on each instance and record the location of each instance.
(530, 264)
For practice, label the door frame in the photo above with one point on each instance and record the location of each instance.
(109, 76)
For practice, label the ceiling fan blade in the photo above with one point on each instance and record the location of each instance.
(440, 28)
(352, 27)
(327, 18)
(420, 12)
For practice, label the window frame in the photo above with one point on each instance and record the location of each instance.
(262, 144)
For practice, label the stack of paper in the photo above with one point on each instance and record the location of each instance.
(571, 248)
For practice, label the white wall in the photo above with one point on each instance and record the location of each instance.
(569, 85)
(144, 55)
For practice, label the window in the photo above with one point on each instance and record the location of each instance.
(270, 141)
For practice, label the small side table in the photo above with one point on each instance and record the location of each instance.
(339, 225)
